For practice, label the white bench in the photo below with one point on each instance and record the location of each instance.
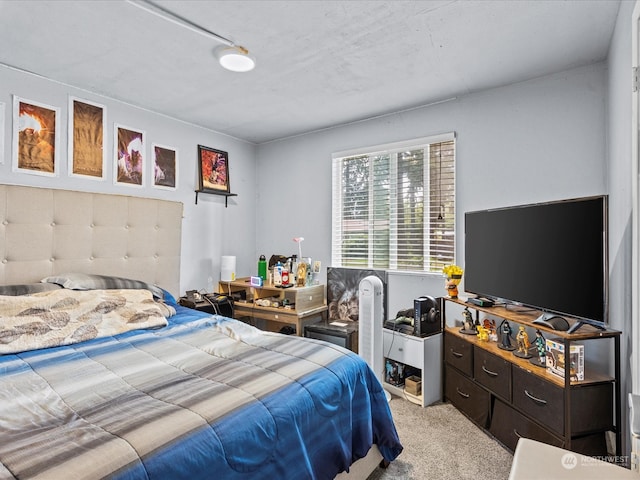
(534, 461)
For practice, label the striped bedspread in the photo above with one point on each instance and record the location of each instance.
(203, 398)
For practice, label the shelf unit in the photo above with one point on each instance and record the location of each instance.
(306, 305)
(573, 415)
(424, 353)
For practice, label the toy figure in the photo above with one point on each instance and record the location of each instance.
(505, 336)
(452, 288)
(540, 346)
(454, 277)
(483, 334)
(523, 343)
(490, 325)
(468, 326)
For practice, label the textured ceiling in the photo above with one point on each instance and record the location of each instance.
(319, 63)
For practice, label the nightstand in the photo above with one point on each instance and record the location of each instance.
(424, 353)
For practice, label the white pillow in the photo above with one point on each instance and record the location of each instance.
(85, 281)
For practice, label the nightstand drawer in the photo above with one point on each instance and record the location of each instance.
(459, 353)
(403, 348)
(492, 372)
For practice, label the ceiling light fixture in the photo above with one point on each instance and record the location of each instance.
(231, 57)
(235, 58)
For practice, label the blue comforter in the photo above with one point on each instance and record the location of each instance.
(206, 397)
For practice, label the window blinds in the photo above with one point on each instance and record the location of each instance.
(393, 206)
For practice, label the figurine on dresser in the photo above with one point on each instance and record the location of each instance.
(468, 327)
(505, 336)
(522, 339)
(490, 325)
(483, 334)
(540, 344)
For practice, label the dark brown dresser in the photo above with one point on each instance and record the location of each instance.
(509, 397)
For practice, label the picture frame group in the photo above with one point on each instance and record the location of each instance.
(36, 138)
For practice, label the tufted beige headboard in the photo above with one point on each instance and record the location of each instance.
(45, 231)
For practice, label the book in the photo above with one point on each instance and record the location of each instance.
(556, 360)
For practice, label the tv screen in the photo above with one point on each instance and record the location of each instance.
(549, 256)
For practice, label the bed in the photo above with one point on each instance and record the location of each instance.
(105, 379)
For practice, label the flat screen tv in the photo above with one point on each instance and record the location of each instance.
(549, 256)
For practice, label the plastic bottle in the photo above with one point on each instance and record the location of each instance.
(277, 274)
(293, 271)
(262, 268)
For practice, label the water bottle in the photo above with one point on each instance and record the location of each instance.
(262, 268)
(294, 269)
(277, 274)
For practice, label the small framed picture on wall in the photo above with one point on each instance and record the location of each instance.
(165, 166)
(87, 139)
(129, 156)
(213, 170)
(35, 137)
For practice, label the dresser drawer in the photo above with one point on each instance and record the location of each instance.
(586, 399)
(467, 396)
(458, 353)
(539, 399)
(508, 426)
(492, 372)
(403, 348)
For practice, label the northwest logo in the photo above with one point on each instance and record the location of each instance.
(569, 461)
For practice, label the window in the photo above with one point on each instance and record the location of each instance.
(393, 206)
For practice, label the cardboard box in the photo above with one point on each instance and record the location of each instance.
(413, 385)
(556, 360)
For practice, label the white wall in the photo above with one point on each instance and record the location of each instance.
(539, 140)
(619, 172)
(209, 229)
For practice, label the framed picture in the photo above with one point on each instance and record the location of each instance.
(342, 292)
(2, 113)
(129, 156)
(213, 169)
(165, 166)
(35, 137)
(87, 139)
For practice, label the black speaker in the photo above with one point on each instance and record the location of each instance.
(427, 320)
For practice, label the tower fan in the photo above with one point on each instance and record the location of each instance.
(370, 320)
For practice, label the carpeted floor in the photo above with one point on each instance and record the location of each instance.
(440, 443)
